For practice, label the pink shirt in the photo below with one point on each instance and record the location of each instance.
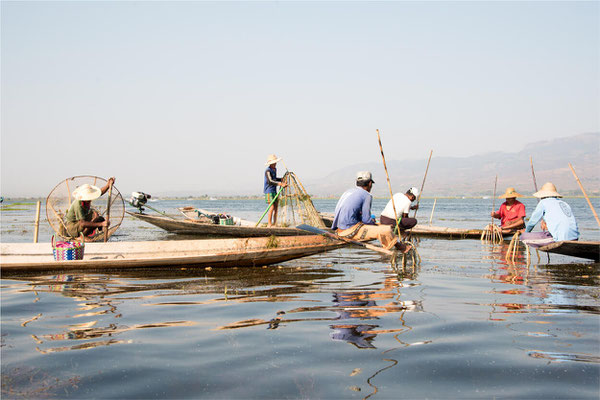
(517, 210)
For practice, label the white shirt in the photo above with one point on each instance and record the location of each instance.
(402, 204)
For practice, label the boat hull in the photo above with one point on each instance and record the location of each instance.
(189, 227)
(575, 248)
(20, 257)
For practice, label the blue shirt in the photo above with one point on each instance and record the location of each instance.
(353, 207)
(559, 219)
(270, 180)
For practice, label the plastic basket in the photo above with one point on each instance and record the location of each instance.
(226, 221)
(68, 250)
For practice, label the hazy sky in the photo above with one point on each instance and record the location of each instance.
(195, 95)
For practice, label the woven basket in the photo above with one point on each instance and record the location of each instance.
(66, 250)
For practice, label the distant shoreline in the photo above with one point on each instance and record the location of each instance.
(215, 198)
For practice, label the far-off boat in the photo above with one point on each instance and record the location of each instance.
(247, 252)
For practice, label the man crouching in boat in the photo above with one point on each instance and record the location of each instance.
(558, 216)
(80, 217)
(403, 204)
(353, 216)
(511, 213)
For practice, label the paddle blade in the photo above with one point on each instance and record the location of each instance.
(312, 229)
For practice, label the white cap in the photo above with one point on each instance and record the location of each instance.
(364, 176)
(414, 191)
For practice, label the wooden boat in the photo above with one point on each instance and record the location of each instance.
(192, 227)
(574, 248)
(23, 257)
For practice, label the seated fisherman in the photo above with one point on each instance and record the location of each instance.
(353, 216)
(402, 202)
(80, 217)
(511, 213)
(558, 216)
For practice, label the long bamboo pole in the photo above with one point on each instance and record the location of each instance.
(423, 184)
(585, 194)
(37, 222)
(533, 174)
(108, 210)
(494, 199)
(388, 182)
(432, 209)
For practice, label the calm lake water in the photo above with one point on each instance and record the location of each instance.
(344, 324)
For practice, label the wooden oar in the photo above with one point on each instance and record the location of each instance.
(318, 231)
(108, 210)
(585, 194)
(269, 206)
(388, 182)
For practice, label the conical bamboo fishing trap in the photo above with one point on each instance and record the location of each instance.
(60, 198)
(295, 205)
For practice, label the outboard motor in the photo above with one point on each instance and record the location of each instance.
(138, 200)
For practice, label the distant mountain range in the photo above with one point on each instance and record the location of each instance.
(474, 176)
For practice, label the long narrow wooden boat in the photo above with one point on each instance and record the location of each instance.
(192, 227)
(23, 257)
(575, 248)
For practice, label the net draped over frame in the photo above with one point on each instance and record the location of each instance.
(60, 198)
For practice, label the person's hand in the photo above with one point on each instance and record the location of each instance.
(111, 180)
(544, 226)
(283, 184)
(105, 224)
(493, 214)
(415, 207)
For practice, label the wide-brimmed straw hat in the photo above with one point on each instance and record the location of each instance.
(510, 193)
(86, 192)
(548, 190)
(272, 159)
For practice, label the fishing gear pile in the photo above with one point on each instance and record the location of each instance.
(295, 206)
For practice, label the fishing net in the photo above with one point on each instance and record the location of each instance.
(295, 205)
(60, 198)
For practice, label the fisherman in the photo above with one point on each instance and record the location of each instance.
(353, 217)
(271, 181)
(403, 204)
(511, 213)
(80, 217)
(558, 216)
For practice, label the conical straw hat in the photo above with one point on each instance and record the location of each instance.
(272, 159)
(548, 190)
(86, 192)
(510, 193)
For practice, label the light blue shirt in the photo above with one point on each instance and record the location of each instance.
(353, 207)
(559, 219)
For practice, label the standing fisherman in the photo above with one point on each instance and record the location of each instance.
(271, 181)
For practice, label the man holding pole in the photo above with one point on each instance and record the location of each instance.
(353, 218)
(270, 188)
(403, 203)
(80, 217)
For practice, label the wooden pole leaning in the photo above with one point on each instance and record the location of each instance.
(585, 194)
(423, 183)
(37, 222)
(388, 182)
(533, 174)
(432, 210)
(106, 229)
